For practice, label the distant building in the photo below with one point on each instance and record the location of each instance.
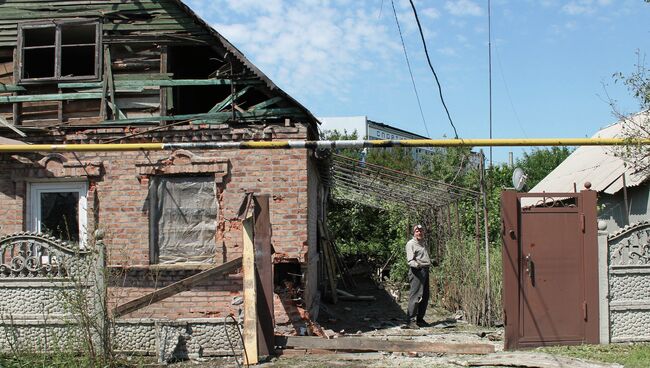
(371, 130)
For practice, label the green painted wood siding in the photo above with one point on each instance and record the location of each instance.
(120, 19)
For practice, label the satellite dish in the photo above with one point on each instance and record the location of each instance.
(519, 179)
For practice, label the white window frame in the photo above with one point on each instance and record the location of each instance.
(34, 216)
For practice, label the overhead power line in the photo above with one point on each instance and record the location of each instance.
(426, 52)
(408, 63)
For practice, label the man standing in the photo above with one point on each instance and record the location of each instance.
(417, 256)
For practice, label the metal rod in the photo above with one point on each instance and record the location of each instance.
(510, 142)
(488, 291)
(489, 9)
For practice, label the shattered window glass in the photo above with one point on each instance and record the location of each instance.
(183, 219)
(59, 215)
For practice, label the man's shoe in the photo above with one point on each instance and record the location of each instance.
(423, 323)
(411, 325)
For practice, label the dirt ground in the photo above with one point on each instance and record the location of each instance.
(382, 319)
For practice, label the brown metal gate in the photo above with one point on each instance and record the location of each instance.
(550, 274)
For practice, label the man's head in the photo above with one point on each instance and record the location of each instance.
(418, 232)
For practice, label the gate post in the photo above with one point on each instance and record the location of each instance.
(603, 285)
(510, 259)
(588, 203)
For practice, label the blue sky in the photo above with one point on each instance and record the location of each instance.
(552, 62)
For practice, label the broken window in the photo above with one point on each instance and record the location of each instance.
(182, 219)
(59, 210)
(59, 51)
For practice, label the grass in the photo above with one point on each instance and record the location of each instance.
(65, 360)
(629, 355)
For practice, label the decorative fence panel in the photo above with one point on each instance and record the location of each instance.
(629, 283)
(49, 297)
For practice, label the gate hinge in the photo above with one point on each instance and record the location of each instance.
(584, 310)
(582, 222)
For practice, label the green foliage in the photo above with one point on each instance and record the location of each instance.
(452, 165)
(636, 126)
(637, 82)
(539, 162)
(377, 237)
(629, 355)
(335, 135)
(370, 234)
(397, 158)
(455, 288)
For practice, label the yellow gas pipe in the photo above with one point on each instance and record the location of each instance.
(507, 142)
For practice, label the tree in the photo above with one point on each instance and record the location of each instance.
(540, 162)
(637, 125)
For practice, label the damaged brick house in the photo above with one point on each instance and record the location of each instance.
(118, 71)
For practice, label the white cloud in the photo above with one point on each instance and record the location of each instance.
(447, 51)
(463, 8)
(584, 7)
(431, 13)
(308, 47)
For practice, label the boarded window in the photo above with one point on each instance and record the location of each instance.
(183, 219)
(59, 51)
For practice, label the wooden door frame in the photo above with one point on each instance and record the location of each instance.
(512, 262)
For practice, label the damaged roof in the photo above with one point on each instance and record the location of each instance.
(157, 21)
(240, 56)
(4, 140)
(598, 165)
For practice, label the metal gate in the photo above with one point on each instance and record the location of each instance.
(550, 268)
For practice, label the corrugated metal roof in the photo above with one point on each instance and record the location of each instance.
(595, 164)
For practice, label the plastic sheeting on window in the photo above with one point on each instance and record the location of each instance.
(183, 219)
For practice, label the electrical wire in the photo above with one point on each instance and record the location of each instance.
(225, 328)
(408, 63)
(241, 337)
(426, 52)
(505, 84)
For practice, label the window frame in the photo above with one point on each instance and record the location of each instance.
(34, 199)
(57, 25)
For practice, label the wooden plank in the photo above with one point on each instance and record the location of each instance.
(229, 100)
(164, 66)
(110, 83)
(5, 123)
(264, 275)
(51, 97)
(132, 83)
(266, 103)
(213, 118)
(139, 102)
(250, 293)
(369, 344)
(11, 88)
(145, 76)
(16, 107)
(103, 106)
(330, 270)
(176, 287)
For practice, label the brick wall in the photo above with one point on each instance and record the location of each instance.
(117, 203)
